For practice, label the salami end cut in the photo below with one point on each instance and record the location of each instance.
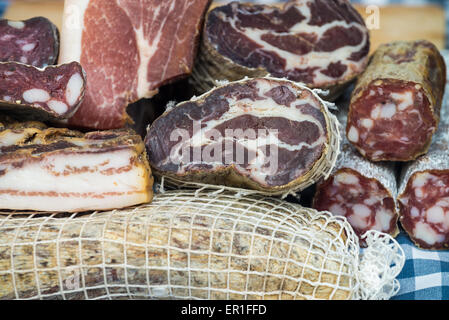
(30, 93)
(34, 42)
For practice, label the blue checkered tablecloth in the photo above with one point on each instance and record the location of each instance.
(3, 5)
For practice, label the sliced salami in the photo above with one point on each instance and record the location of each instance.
(424, 194)
(264, 134)
(54, 92)
(362, 191)
(321, 43)
(34, 41)
(396, 103)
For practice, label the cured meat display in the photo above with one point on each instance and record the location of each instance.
(34, 42)
(49, 169)
(424, 194)
(54, 92)
(396, 103)
(362, 191)
(264, 134)
(128, 50)
(193, 245)
(321, 43)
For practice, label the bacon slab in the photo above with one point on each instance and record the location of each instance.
(29, 93)
(264, 134)
(128, 49)
(424, 194)
(34, 41)
(49, 169)
(321, 43)
(364, 192)
(396, 103)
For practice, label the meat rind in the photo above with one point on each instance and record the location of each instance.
(292, 110)
(51, 93)
(184, 245)
(34, 42)
(415, 68)
(328, 43)
(52, 169)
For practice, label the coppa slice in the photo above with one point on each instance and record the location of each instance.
(49, 169)
(424, 194)
(128, 49)
(264, 134)
(321, 43)
(34, 42)
(362, 191)
(396, 103)
(30, 93)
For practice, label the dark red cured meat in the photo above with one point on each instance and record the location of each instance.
(365, 202)
(396, 103)
(29, 93)
(34, 41)
(299, 41)
(284, 132)
(129, 49)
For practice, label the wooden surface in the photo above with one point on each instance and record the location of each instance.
(395, 22)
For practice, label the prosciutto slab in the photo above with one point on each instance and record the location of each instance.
(362, 191)
(34, 41)
(321, 43)
(29, 93)
(128, 49)
(50, 169)
(395, 106)
(265, 134)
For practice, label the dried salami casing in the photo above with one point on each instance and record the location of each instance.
(321, 43)
(396, 103)
(29, 93)
(52, 169)
(364, 192)
(264, 134)
(424, 193)
(193, 245)
(34, 41)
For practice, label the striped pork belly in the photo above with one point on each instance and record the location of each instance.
(51, 169)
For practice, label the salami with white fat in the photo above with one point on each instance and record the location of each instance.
(34, 41)
(263, 134)
(321, 43)
(364, 192)
(29, 93)
(424, 194)
(396, 103)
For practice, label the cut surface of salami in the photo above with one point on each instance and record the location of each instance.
(264, 134)
(29, 93)
(49, 169)
(362, 191)
(321, 43)
(128, 50)
(396, 103)
(34, 42)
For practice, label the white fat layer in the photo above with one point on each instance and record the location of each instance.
(388, 111)
(383, 220)
(312, 59)
(425, 233)
(353, 134)
(435, 214)
(57, 106)
(16, 24)
(337, 210)
(73, 90)
(357, 221)
(9, 137)
(403, 100)
(346, 178)
(36, 95)
(421, 179)
(361, 210)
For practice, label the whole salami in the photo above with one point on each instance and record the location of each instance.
(263, 134)
(424, 194)
(321, 43)
(396, 103)
(364, 192)
(34, 42)
(30, 93)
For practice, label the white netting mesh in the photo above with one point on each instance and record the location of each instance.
(185, 244)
